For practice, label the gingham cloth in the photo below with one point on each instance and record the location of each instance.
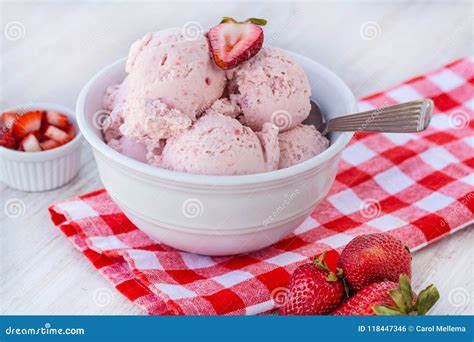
(417, 187)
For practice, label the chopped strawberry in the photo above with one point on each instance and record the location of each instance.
(232, 42)
(9, 118)
(70, 130)
(30, 143)
(57, 119)
(56, 134)
(49, 144)
(27, 123)
(6, 139)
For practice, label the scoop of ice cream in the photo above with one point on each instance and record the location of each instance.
(271, 87)
(217, 145)
(115, 95)
(130, 148)
(149, 121)
(299, 144)
(176, 70)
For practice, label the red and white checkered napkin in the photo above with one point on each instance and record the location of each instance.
(417, 187)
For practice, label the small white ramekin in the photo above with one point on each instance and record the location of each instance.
(46, 170)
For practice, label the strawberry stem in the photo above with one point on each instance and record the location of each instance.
(228, 20)
(403, 300)
(256, 21)
(321, 264)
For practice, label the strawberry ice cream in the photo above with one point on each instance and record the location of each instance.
(115, 95)
(178, 71)
(130, 148)
(299, 144)
(271, 87)
(172, 110)
(220, 145)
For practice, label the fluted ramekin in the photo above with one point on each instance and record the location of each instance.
(45, 170)
(217, 215)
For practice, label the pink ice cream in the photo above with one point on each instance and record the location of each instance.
(270, 87)
(171, 80)
(115, 95)
(168, 66)
(220, 145)
(299, 144)
(170, 111)
(130, 148)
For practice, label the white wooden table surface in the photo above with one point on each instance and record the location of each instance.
(49, 51)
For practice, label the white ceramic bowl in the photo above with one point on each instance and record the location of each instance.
(217, 215)
(45, 170)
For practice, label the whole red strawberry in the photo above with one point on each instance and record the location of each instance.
(389, 298)
(313, 290)
(374, 258)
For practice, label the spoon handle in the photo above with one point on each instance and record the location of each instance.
(413, 116)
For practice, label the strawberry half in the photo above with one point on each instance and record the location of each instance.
(57, 135)
(30, 143)
(9, 118)
(57, 119)
(232, 42)
(6, 139)
(27, 123)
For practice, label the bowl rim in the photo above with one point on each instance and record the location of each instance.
(197, 179)
(49, 154)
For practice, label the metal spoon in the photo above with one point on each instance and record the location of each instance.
(413, 116)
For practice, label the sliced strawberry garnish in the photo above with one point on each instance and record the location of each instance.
(9, 118)
(30, 143)
(6, 139)
(234, 42)
(27, 123)
(57, 135)
(57, 119)
(49, 144)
